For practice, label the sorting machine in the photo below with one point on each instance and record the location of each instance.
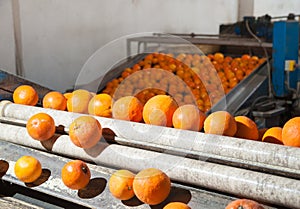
(207, 171)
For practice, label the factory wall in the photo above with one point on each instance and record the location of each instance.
(7, 50)
(59, 36)
(276, 7)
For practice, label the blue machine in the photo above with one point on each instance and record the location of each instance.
(285, 74)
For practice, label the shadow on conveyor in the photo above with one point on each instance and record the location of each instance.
(95, 187)
(35, 198)
(46, 173)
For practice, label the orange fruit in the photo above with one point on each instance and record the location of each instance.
(28, 169)
(246, 128)
(55, 100)
(128, 108)
(79, 100)
(40, 126)
(245, 57)
(85, 131)
(121, 184)
(67, 95)
(245, 204)
(219, 57)
(188, 117)
(220, 123)
(151, 186)
(176, 205)
(75, 174)
(291, 132)
(273, 135)
(25, 95)
(159, 110)
(100, 105)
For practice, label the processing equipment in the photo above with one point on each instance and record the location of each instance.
(207, 171)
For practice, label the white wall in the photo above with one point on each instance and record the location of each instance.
(58, 36)
(246, 8)
(276, 7)
(7, 46)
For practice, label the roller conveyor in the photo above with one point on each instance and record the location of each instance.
(208, 172)
(169, 146)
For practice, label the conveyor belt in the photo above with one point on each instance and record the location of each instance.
(197, 172)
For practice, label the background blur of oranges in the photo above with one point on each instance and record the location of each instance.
(188, 78)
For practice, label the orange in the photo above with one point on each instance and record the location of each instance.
(246, 128)
(121, 184)
(245, 57)
(193, 69)
(273, 135)
(159, 110)
(85, 131)
(100, 105)
(55, 100)
(40, 126)
(176, 205)
(75, 174)
(79, 100)
(67, 95)
(151, 186)
(25, 95)
(128, 108)
(219, 57)
(188, 117)
(28, 169)
(220, 123)
(244, 204)
(291, 132)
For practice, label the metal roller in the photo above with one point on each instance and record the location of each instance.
(240, 182)
(239, 152)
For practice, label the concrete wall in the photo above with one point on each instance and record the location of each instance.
(276, 7)
(58, 36)
(7, 46)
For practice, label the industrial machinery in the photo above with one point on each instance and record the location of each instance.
(207, 171)
(284, 75)
(270, 95)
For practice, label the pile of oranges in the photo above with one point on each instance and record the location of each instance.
(151, 186)
(188, 78)
(161, 110)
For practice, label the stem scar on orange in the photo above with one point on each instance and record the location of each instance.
(75, 174)
(28, 169)
(25, 95)
(121, 184)
(41, 126)
(151, 186)
(85, 131)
